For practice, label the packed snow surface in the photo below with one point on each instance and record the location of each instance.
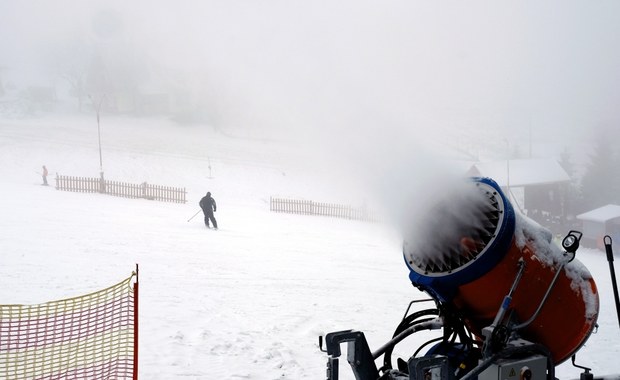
(247, 301)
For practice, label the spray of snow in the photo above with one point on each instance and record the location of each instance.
(449, 229)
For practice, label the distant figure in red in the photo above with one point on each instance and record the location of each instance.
(208, 206)
(44, 175)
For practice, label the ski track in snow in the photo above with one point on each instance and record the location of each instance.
(245, 302)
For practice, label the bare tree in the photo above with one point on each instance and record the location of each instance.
(70, 61)
(600, 184)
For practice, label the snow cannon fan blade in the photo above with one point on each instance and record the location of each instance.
(466, 254)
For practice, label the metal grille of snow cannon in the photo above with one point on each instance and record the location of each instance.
(466, 239)
(461, 238)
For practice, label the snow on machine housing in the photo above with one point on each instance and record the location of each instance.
(509, 302)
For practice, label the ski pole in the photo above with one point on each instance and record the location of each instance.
(610, 259)
(194, 215)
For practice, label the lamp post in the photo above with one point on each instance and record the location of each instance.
(97, 109)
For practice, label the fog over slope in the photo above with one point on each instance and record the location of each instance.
(362, 84)
(323, 69)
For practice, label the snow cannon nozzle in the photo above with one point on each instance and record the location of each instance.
(463, 236)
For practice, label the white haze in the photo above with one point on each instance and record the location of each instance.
(329, 70)
(373, 88)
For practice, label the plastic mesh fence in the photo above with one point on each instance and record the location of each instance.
(86, 337)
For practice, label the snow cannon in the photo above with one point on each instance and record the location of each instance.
(501, 272)
(509, 303)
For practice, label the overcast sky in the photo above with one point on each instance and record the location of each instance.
(359, 65)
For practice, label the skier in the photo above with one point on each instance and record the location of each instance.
(44, 175)
(208, 206)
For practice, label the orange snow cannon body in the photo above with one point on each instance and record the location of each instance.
(476, 262)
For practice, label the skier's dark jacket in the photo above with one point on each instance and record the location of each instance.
(207, 204)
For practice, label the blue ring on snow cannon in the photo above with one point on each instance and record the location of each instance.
(463, 237)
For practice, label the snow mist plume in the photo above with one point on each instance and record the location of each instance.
(451, 229)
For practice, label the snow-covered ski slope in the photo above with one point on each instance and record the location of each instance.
(247, 301)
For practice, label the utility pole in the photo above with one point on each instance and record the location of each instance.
(98, 109)
(209, 158)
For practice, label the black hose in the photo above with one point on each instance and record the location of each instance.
(415, 354)
(404, 324)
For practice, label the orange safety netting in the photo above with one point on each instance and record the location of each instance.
(88, 337)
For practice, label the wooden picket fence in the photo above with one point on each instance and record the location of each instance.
(121, 189)
(305, 207)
